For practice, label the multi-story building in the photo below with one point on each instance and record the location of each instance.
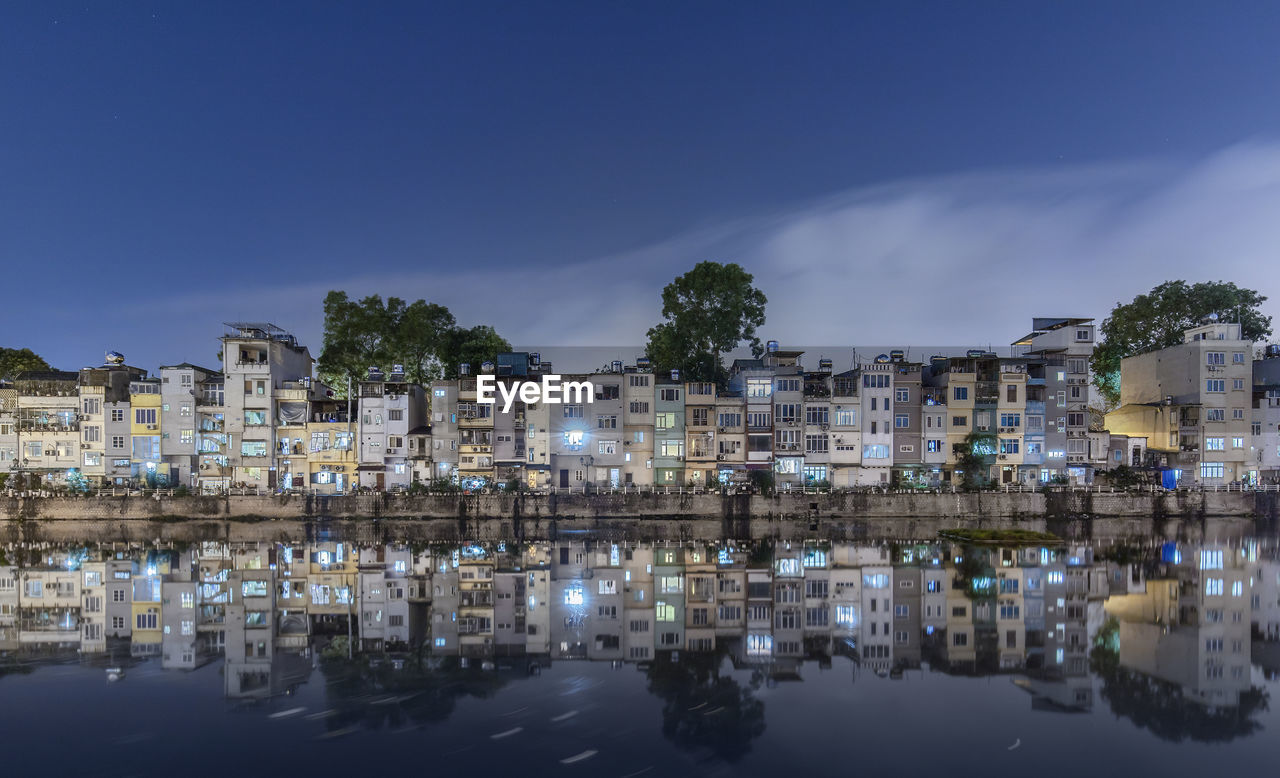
(1265, 423)
(639, 400)
(390, 406)
(181, 388)
(8, 428)
(48, 425)
(106, 422)
(146, 431)
(731, 437)
(669, 431)
(1193, 403)
(877, 421)
(700, 434)
(819, 438)
(846, 428)
(258, 358)
(1060, 349)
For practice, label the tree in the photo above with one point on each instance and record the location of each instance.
(474, 346)
(1157, 320)
(17, 360)
(422, 337)
(420, 334)
(708, 311)
(974, 457)
(357, 336)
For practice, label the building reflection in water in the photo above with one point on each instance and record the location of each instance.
(1163, 632)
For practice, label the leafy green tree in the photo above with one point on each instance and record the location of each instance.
(17, 360)
(1157, 320)
(474, 346)
(419, 338)
(974, 456)
(708, 311)
(423, 337)
(357, 336)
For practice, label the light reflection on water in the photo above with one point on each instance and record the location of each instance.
(553, 657)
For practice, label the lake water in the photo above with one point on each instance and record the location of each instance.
(594, 657)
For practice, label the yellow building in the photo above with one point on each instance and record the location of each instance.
(145, 404)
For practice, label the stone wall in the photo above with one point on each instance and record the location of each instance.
(729, 510)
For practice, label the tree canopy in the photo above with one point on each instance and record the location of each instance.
(17, 360)
(423, 337)
(1158, 319)
(707, 312)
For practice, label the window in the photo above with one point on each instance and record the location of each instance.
(959, 421)
(638, 407)
(960, 393)
(638, 380)
(815, 444)
(146, 620)
(1215, 385)
(1215, 414)
(877, 451)
(902, 395)
(664, 611)
(1237, 442)
(788, 384)
(253, 448)
(901, 421)
(1213, 587)
(759, 388)
(671, 448)
(816, 415)
(1214, 444)
(726, 419)
(1009, 445)
(570, 411)
(933, 446)
(117, 414)
(1237, 383)
(144, 416)
(1215, 358)
(665, 421)
(669, 395)
(606, 422)
(846, 418)
(1010, 420)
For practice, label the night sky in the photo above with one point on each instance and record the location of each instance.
(892, 172)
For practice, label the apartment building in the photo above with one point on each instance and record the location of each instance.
(390, 406)
(1193, 402)
(1059, 350)
(639, 403)
(106, 423)
(47, 425)
(258, 359)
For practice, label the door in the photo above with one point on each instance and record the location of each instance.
(381, 482)
(613, 477)
(338, 481)
(564, 479)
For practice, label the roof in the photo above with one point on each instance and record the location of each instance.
(47, 375)
(1039, 326)
(189, 366)
(422, 429)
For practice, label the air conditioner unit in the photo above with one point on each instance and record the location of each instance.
(1004, 456)
(719, 457)
(720, 429)
(826, 426)
(151, 426)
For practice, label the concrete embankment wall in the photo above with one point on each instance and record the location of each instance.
(373, 518)
(834, 506)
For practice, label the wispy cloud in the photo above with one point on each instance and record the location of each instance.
(964, 259)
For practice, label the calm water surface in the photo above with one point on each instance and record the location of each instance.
(600, 658)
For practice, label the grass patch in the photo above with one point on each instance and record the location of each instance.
(1005, 537)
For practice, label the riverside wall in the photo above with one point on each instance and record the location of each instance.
(450, 517)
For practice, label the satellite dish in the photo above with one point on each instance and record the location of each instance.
(1213, 317)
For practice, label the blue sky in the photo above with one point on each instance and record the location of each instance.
(904, 169)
